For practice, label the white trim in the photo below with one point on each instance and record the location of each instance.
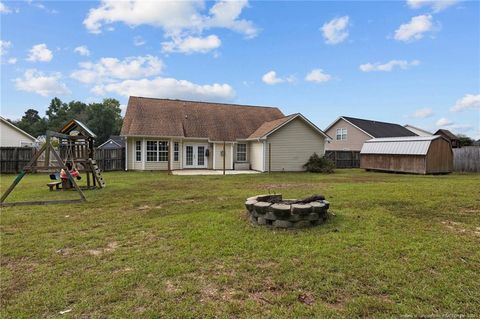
(126, 154)
(264, 155)
(213, 165)
(195, 161)
(341, 117)
(231, 156)
(144, 153)
(19, 130)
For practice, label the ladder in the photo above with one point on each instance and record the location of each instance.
(97, 173)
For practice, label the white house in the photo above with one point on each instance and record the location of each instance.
(215, 135)
(12, 136)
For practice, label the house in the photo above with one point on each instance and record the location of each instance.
(216, 136)
(12, 136)
(454, 141)
(417, 154)
(350, 133)
(418, 131)
(114, 142)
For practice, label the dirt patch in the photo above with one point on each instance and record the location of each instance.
(291, 185)
(460, 228)
(306, 298)
(111, 247)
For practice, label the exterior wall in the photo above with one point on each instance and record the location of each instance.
(394, 163)
(354, 141)
(9, 136)
(256, 156)
(219, 157)
(292, 145)
(439, 157)
(132, 164)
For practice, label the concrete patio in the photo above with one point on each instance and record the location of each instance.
(190, 172)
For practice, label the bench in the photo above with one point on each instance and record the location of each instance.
(51, 185)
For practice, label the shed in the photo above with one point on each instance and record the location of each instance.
(416, 154)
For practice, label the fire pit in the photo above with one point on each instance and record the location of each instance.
(272, 210)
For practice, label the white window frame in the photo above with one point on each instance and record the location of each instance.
(176, 152)
(160, 149)
(342, 133)
(242, 153)
(138, 151)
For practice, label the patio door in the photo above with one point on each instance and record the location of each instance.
(195, 156)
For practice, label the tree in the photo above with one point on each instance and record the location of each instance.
(465, 140)
(104, 119)
(32, 123)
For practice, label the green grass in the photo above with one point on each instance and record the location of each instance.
(157, 246)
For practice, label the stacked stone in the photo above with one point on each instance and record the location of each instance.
(270, 210)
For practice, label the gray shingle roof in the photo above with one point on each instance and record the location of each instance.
(380, 129)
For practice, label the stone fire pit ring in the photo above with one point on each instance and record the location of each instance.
(273, 211)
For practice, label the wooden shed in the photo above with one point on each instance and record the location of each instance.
(416, 154)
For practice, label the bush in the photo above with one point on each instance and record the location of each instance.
(317, 164)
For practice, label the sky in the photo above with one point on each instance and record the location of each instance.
(410, 62)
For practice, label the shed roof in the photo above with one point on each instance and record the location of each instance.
(412, 145)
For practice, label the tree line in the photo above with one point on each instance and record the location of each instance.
(104, 119)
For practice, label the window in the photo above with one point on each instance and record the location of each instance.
(175, 152)
(157, 151)
(241, 152)
(138, 151)
(341, 134)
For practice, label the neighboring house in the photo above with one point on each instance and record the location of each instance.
(418, 131)
(454, 141)
(12, 136)
(114, 142)
(216, 136)
(476, 143)
(410, 154)
(349, 133)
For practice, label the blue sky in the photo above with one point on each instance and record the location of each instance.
(414, 61)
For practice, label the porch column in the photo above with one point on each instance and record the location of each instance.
(144, 153)
(213, 154)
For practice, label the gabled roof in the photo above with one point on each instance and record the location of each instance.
(178, 118)
(114, 141)
(446, 133)
(407, 145)
(418, 129)
(268, 128)
(375, 128)
(18, 129)
(77, 125)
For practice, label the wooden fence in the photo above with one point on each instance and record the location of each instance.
(110, 159)
(13, 159)
(344, 159)
(466, 159)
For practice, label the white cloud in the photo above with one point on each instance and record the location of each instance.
(175, 17)
(12, 61)
(45, 85)
(389, 66)
(168, 88)
(435, 5)
(40, 52)
(414, 29)
(4, 46)
(317, 75)
(469, 101)
(109, 69)
(422, 113)
(138, 41)
(271, 78)
(192, 44)
(335, 31)
(82, 50)
(4, 8)
(443, 122)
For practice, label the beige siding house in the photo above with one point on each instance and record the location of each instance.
(12, 136)
(349, 133)
(163, 134)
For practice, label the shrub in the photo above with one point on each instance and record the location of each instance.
(317, 164)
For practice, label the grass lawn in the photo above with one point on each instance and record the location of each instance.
(157, 246)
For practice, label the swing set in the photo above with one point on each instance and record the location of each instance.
(76, 152)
